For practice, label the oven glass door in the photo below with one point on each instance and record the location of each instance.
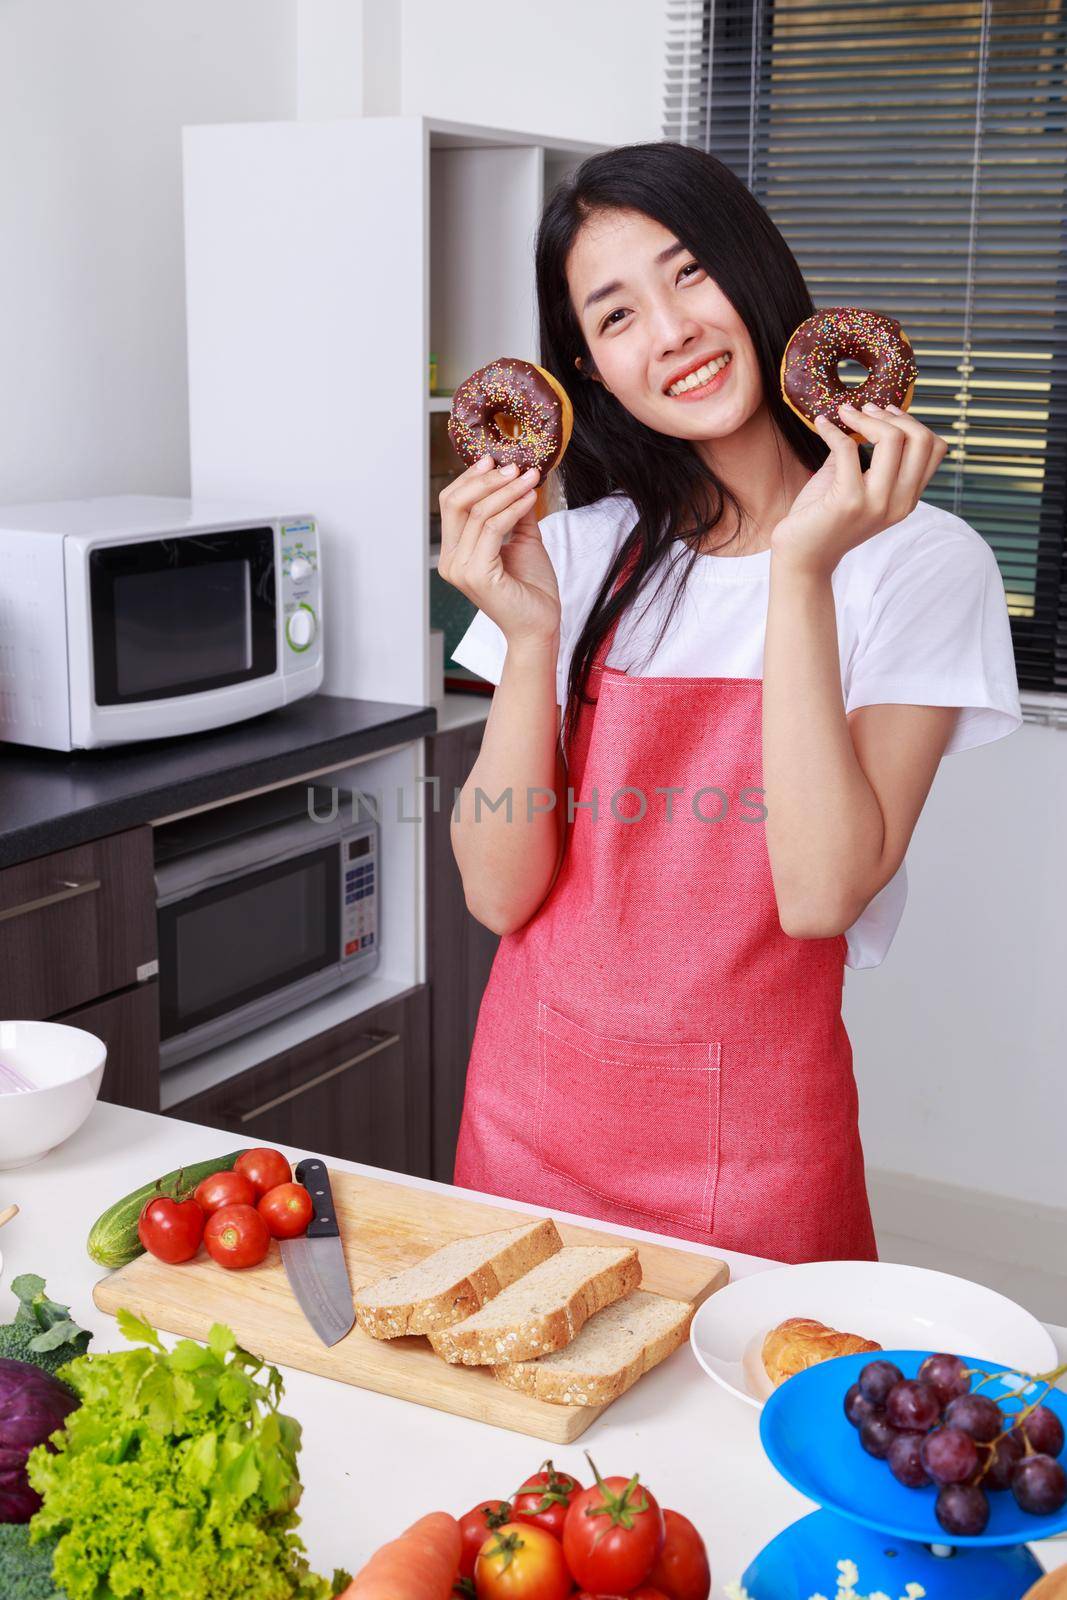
(182, 615)
(235, 942)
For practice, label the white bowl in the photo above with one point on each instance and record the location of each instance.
(902, 1308)
(67, 1065)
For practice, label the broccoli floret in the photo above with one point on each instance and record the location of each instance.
(25, 1568)
(42, 1331)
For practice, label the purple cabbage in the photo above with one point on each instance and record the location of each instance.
(33, 1405)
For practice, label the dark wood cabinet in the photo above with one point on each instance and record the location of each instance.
(78, 945)
(128, 1023)
(360, 1091)
(460, 949)
(76, 925)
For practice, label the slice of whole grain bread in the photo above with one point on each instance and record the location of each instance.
(454, 1281)
(545, 1309)
(613, 1350)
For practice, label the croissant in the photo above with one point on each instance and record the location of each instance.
(801, 1342)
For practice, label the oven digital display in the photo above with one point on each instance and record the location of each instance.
(358, 847)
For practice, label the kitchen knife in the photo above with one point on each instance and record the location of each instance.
(315, 1264)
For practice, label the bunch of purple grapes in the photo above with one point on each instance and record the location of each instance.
(933, 1429)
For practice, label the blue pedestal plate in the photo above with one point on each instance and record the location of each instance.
(891, 1533)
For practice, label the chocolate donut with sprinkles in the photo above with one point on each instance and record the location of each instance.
(513, 411)
(811, 385)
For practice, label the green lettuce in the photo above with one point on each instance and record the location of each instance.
(176, 1479)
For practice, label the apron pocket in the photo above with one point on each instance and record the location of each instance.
(633, 1122)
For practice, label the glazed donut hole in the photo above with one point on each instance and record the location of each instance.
(507, 426)
(851, 374)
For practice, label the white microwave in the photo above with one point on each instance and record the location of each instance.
(141, 616)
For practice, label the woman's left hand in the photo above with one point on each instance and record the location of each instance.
(842, 506)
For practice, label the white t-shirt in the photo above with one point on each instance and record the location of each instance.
(921, 620)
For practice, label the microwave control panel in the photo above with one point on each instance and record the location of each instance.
(359, 887)
(301, 593)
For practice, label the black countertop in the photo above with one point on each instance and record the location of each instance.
(50, 800)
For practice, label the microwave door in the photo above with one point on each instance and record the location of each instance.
(182, 616)
(240, 953)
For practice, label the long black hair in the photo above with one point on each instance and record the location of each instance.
(677, 496)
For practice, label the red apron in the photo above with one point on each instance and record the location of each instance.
(651, 1048)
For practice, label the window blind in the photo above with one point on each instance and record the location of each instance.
(914, 158)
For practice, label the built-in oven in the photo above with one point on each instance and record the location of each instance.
(263, 905)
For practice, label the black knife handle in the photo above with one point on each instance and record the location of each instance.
(316, 1180)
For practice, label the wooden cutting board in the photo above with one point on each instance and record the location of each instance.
(384, 1226)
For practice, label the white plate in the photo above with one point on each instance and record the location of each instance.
(903, 1308)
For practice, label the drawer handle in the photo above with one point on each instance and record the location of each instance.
(68, 890)
(382, 1041)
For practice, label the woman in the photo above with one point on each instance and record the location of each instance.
(660, 1043)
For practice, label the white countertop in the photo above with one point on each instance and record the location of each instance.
(696, 1446)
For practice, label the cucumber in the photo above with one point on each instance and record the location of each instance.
(113, 1237)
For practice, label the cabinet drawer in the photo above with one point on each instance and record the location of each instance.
(76, 925)
(128, 1023)
(360, 1091)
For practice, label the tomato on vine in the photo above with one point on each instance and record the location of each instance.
(545, 1499)
(484, 1519)
(613, 1534)
(521, 1562)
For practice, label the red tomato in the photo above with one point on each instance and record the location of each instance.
(613, 1534)
(682, 1570)
(519, 1562)
(644, 1593)
(171, 1229)
(237, 1236)
(475, 1528)
(287, 1210)
(223, 1189)
(264, 1169)
(544, 1499)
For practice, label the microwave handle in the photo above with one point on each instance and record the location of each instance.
(378, 1041)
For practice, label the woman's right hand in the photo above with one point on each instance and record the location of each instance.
(513, 583)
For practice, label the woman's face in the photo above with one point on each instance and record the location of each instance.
(652, 317)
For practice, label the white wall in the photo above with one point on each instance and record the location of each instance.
(589, 71)
(580, 69)
(958, 1037)
(93, 96)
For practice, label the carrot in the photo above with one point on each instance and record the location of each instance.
(420, 1565)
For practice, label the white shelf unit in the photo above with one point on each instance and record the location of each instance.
(324, 262)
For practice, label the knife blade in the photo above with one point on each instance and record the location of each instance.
(315, 1264)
